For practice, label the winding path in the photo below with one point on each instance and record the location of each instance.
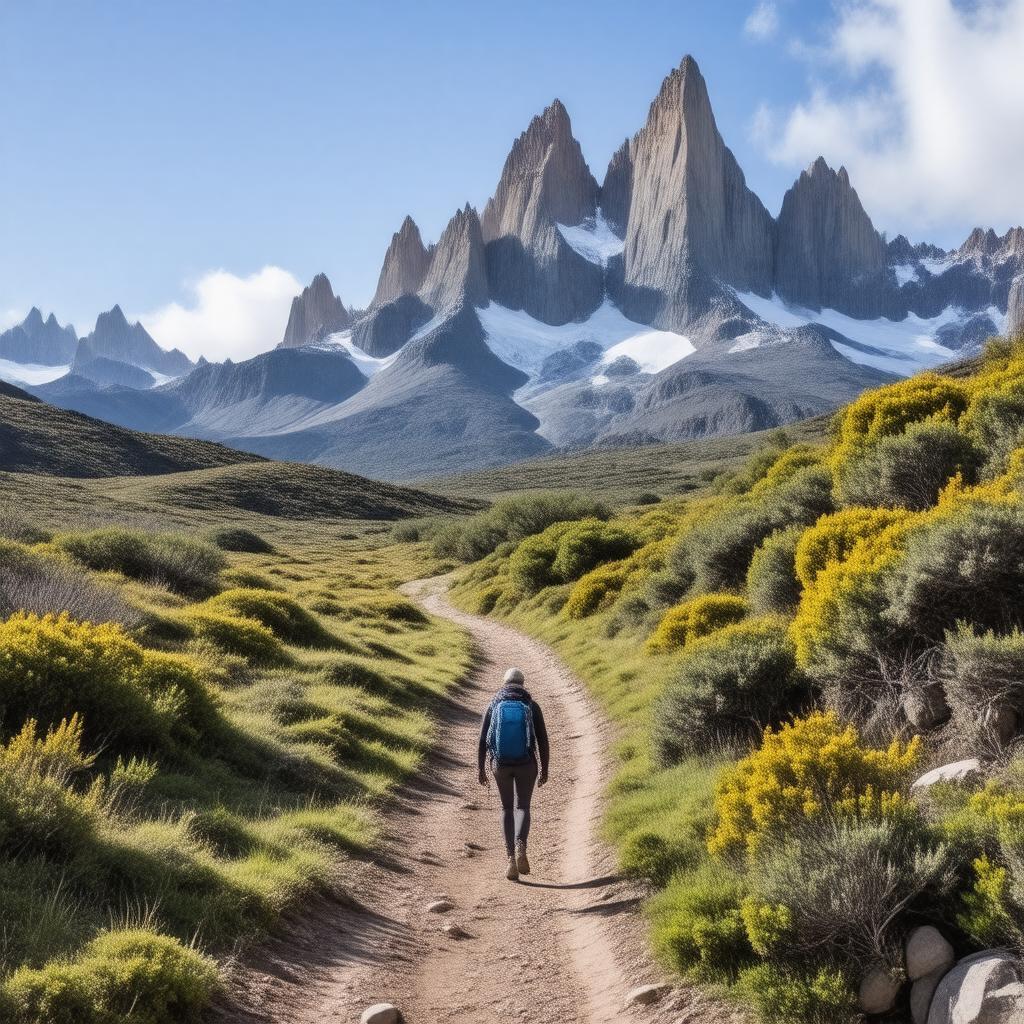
(564, 945)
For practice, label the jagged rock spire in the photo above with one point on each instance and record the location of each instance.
(827, 251)
(405, 265)
(458, 272)
(617, 190)
(1015, 309)
(314, 314)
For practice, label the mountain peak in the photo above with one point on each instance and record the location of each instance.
(458, 271)
(34, 319)
(405, 265)
(314, 314)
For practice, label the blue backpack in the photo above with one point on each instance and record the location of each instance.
(510, 737)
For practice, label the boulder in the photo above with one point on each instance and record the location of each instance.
(454, 930)
(440, 907)
(381, 1013)
(878, 991)
(925, 706)
(1001, 723)
(644, 995)
(986, 988)
(927, 952)
(957, 771)
(921, 993)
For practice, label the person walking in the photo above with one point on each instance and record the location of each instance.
(512, 734)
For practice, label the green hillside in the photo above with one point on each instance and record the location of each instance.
(785, 651)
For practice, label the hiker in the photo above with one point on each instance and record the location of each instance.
(513, 733)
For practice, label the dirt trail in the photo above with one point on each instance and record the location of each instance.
(563, 945)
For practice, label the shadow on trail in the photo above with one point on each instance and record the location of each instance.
(590, 883)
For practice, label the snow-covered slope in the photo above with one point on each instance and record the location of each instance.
(521, 341)
(897, 346)
(594, 239)
(29, 373)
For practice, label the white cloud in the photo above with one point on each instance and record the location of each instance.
(763, 21)
(229, 316)
(10, 317)
(923, 103)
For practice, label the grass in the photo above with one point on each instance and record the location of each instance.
(204, 839)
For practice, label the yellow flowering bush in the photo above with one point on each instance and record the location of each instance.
(597, 590)
(282, 615)
(52, 666)
(787, 465)
(833, 537)
(696, 618)
(809, 766)
(235, 634)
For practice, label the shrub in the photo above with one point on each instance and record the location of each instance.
(845, 886)
(597, 590)
(886, 411)
(772, 584)
(698, 927)
(908, 470)
(51, 667)
(587, 544)
(647, 854)
(396, 609)
(966, 566)
(812, 766)
(787, 465)
(132, 975)
(992, 908)
(995, 421)
(406, 533)
(792, 997)
(238, 538)
(245, 637)
(696, 618)
(834, 537)
(34, 583)
(729, 685)
(512, 519)
(647, 498)
(284, 616)
(167, 559)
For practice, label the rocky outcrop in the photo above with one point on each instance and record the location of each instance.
(545, 182)
(692, 223)
(986, 988)
(114, 338)
(458, 269)
(827, 251)
(617, 190)
(39, 341)
(405, 265)
(315, 313)
(1015, 309)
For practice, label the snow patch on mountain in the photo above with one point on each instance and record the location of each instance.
(31, 374)
(902, 347)
(594, 239)
(518, 339)
(367, 364)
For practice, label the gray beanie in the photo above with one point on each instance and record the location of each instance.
(514, 677)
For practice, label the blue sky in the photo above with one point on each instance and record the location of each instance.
(147, 145)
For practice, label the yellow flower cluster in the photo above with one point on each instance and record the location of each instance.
(833, 537)
(813, 765)
(696, 618)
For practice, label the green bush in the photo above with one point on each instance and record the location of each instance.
(966, 568)
(52, 667)
(772, 585)
(648, 855)
(245, 637)
(588, 544)
(728, 686)
(512, 519)
(188, 566)
(698, 928)
(783, 996)
(908, 470)
(132, 975)
(238, 538)
(282, 615)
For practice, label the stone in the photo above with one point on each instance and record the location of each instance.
(381, 1013)
(921, 993)
(1000, 722)
(927, 952)
(440, 907)
(986, 988)
(878, 991)
(957, 771)
(644, 995)
(925, 706)
(454, 930)
(315, 313)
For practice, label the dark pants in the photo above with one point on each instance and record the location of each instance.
(515, 784)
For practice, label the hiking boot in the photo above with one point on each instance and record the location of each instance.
(522, 861)
(512, 872)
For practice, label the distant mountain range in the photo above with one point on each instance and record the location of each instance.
(664, 303)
